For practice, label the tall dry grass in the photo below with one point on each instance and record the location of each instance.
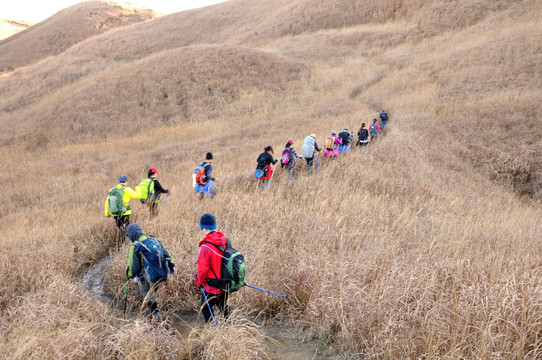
(419, 247)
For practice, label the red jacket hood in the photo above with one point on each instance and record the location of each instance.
(216, 238)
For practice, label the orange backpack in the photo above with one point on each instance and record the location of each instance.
(200, 173)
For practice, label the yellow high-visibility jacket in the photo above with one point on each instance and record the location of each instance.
(128, 194)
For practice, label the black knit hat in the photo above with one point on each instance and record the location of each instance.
(207, 221)
(209, 156)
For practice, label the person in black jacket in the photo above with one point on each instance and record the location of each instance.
(345, 138)
(264, 171)
(153, 190)
(363, 135)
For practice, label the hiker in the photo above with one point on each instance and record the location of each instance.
(345, 137)
(209, 266)
(148, 264)
(309, 146)
(383, 118)
(288, 158)
(331, 145)
(151, 189)
(264, 171)
(374, 130)
(118, 203)
(203, 179)
(363, 136)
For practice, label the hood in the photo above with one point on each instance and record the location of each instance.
(133, 231)
(216, 238)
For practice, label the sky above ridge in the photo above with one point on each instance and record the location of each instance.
(38, 10)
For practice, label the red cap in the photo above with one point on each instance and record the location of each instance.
(290, 141)
(154, 170)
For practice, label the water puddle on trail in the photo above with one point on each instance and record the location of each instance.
(283, 342)
(93, 281)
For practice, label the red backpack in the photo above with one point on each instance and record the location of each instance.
(200, 172)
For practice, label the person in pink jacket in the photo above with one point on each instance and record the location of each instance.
(374, 130)
(331, 145)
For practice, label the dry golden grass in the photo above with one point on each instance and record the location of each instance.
(426, 245)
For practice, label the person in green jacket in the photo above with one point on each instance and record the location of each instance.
(149, 263)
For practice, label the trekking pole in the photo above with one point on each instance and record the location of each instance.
(267, 291)
(126, 295)
(318, 165)
(209, 306)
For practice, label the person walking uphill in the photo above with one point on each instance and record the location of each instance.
(264, 171)
(209, 266)
(148, 264)
(383, 118)
(151, 189)
(345, 137)
(363, 136)
(309, 146)
(117, 203)
(331, 145)
(203, 177)
(374, 130)
(288, 158)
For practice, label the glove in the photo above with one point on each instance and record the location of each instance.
(174, 271)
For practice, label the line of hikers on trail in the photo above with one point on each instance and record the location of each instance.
(221, 269)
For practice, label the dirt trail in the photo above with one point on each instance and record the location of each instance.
(283, 342)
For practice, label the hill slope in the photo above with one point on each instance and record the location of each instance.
(424, 245)
(65, 29)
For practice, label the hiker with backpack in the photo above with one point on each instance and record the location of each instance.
(383, 118)
(308, 149)
(209, 277)
(202, 177)
(346, 138)
(289, 154)
(363, 136)
(117, 203)
(374, 130)
(149, 264)
(151, 189)
(264, 171)
(331, 145)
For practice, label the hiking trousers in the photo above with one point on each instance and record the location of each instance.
(218, 301)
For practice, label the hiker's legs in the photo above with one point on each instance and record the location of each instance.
(265, 184)
(153, 208)
(122, 223)
(214, 300)
(148, 293)
(291, 170)
(383, 122)
(310, 161)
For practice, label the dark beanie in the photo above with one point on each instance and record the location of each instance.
(209, 156)
(207, 221)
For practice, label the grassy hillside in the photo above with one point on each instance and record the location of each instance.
(425, 245)
(65, 29)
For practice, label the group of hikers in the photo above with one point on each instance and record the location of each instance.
(335, 145)
(221, 268)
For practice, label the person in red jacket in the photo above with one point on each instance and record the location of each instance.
(209, 261)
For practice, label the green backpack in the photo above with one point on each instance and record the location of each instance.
(115, 201)
(147, 188)
(373, 130)
(233, 269)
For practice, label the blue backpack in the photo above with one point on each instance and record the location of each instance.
(154, 262)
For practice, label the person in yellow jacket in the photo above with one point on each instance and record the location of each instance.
(117, 203)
